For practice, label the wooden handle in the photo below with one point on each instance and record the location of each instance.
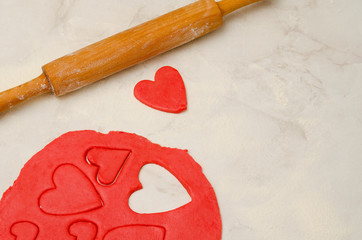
(228, 6)
(24, 92)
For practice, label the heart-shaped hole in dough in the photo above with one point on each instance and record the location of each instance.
(161, 191)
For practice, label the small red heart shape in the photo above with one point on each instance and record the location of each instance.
(167, 93)
(73, 193)
(83, 230)
(25, 231)
(109, 163)
(136, 232)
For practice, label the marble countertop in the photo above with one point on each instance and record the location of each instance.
(274, 115)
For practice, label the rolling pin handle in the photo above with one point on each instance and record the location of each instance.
(228, 6)
(24, 92)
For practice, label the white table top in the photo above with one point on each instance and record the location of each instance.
(274, 115)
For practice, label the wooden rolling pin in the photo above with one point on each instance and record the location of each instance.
(124, 50)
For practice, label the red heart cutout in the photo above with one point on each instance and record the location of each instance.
(136, 232)
(83, 230)
(73, 193)
(167, 93)
(109, 163)
(24, 231)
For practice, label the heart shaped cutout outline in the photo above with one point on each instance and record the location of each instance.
(83, 228)
(24, 229)
(109, 163)
(86, 198)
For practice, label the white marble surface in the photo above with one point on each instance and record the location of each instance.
(275, 105)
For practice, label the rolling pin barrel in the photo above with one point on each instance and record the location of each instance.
(132, 46)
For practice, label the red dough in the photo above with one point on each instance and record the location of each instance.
(77, 188)
(167, 93)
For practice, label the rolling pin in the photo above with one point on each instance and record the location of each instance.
(124, 50)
